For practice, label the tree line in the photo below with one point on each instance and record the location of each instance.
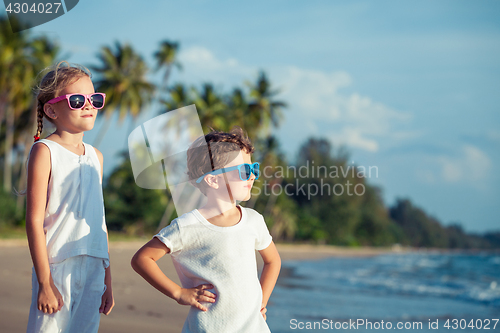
(292, 213)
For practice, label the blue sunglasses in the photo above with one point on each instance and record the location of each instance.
(245, 171)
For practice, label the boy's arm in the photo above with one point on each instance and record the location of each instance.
(270, 272)
(144, 263)
(49, 300)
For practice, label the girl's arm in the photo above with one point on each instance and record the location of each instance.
(49, 298)
(270, 273)
(108, 300)
(144, 263)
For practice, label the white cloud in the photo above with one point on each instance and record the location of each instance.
(353, 137)
(359, 121)
(201, 57)
(310, 90)
(314, 97)
(472, 166)
(199, 63)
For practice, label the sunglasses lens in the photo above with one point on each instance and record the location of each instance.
(245, 172)
(77, 101)
(256, 171)
(97, 101)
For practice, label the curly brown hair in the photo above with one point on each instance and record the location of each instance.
(222, 149)
(57, 78)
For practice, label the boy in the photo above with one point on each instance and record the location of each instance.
(213, 248)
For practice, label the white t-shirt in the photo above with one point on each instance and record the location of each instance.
(204, 253)
(74, 222)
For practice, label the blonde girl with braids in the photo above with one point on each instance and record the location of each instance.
(65, 222)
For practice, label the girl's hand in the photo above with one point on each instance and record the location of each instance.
(263, 311)
(49, 298)
(193, 296)
(107, 302)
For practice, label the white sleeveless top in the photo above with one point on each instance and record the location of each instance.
(74, 221)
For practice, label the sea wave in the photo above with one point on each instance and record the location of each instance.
(472, 278)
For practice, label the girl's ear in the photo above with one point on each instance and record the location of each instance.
(211, 180)
(49, 111)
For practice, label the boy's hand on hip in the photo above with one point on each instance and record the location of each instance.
(49, 298)
(193, 296)
(107, 302)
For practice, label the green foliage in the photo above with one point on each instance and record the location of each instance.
(8, 209)
(327, 199)
(121, 75)
(253, 108)
(280, 212)
(22, 57)
(337, 204)
(375, 227)
(493, 239)
(421, 230)
(166, 57)
(130, 208)
(310, 227)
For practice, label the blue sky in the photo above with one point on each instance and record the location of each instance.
(409, 87)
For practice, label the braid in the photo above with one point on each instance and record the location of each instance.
(39, 119)
(56, 78)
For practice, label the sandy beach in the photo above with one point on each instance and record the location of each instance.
(139, 307)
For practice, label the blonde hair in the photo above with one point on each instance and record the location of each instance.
(56, 78)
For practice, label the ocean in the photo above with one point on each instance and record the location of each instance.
(418, 291)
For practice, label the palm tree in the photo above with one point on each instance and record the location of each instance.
(285, 222)
(166, 58)
(122, 77)
(180, 96)
(238, 113)
(264, 111)
(43, 53)
(267, 110)
(212, 112)
(211, 107)
(15, 87)
(268, 154)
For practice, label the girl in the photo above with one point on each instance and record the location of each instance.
(65, 222)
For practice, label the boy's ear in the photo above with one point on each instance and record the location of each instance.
(49, 111)
(211, 180)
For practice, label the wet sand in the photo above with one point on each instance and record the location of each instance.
(139, 307)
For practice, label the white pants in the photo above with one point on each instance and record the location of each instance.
(80, 280)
